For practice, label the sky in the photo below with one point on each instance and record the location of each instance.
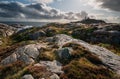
(59, 10)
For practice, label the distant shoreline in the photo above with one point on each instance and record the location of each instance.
(25, 23)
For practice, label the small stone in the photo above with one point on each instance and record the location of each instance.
(54, 76)
(28, 76)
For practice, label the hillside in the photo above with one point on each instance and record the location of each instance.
(61, 51)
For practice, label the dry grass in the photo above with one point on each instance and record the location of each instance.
(39, 72)
(85, 65)
(47, 54)
(78, 70)
(12, 71)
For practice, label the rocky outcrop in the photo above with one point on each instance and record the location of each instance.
(90, 21)
(52, 66)
(59, 40)
(108, 58)
(109, 34)
(28, 76)
(111, 37)
(6, 30)
(29, 53)
(26, 54)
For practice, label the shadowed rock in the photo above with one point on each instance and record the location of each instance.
(37, 35)
(64, 53)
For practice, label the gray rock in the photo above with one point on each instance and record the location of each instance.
(53, 66)
(26, 54)
(12, 58)
(109, 59)
(64, 53)
(60, 39)
(28, 76)
(37, 35)
(54, 76)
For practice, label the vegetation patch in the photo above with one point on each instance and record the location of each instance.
(39, 72)
(115, 49)
(78, 70)
(12, 71)
(47, 54)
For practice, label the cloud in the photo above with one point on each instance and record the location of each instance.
(113, 19)
(113, 5)
(37, 11)
(42, 1)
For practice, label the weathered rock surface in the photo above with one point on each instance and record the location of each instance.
(26, 54)
(53, 66)
(108, 58)
(60, 39)
(28, 76)
(6, 30)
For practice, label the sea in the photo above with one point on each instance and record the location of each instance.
(37, 24)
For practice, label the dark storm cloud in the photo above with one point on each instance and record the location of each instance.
(19, 10)
(34, 11)
(110, 4)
